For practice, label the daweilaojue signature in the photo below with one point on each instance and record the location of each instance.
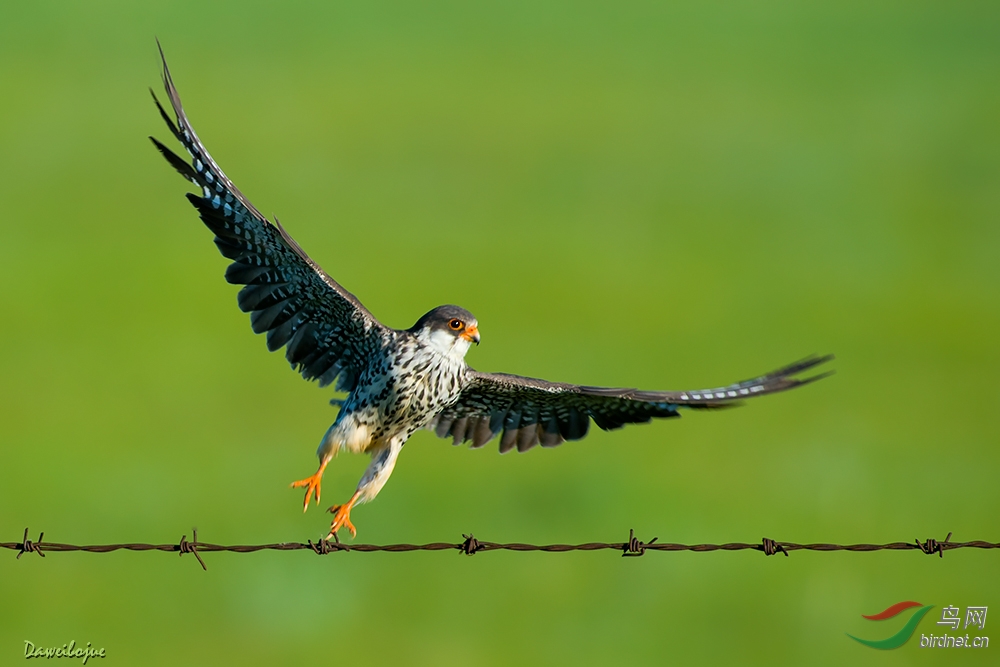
(70, 650)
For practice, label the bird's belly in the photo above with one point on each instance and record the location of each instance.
(365, 428)
(359, 439)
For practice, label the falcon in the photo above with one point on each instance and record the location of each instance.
(399, 381)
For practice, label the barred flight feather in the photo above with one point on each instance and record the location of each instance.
(287, 295)
(528, 411)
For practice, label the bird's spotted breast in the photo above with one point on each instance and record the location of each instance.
(403, 388)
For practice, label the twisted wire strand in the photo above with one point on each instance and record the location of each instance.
(471, 546)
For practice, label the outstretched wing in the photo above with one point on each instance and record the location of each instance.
(328, 332)
(529, 411)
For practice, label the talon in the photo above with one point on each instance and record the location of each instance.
(342, 518)
(312, 484)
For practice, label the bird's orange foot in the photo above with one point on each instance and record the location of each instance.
(312, 484)
(342, 519)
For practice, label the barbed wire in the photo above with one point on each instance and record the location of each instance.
(471, 546)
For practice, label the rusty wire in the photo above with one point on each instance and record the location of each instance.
(470, 546)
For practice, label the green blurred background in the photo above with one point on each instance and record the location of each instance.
(645, 194)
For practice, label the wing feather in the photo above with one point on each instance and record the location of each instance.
(526, 411)
(329, 334)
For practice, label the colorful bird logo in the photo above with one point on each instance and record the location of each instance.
(904, 634)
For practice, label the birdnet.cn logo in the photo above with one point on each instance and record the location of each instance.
(951, 617)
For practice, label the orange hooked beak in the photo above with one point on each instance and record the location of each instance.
(471, 334)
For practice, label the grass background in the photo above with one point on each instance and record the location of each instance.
(663, 195)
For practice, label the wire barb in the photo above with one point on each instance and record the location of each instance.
(321, 548)
(28, 546)
(634, 547)
(470, 546)
(325, 546)
(932, 546)
(191, 547)
(770, 547)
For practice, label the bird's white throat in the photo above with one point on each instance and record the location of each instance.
(446, 343)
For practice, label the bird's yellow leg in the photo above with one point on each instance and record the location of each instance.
(342, 517)
(312, 483)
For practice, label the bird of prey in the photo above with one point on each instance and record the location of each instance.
(400, 381)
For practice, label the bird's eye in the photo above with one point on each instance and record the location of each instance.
(455, 325)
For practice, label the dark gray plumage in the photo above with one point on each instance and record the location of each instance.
(530, 412)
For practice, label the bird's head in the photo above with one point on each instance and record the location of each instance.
(449, 329)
